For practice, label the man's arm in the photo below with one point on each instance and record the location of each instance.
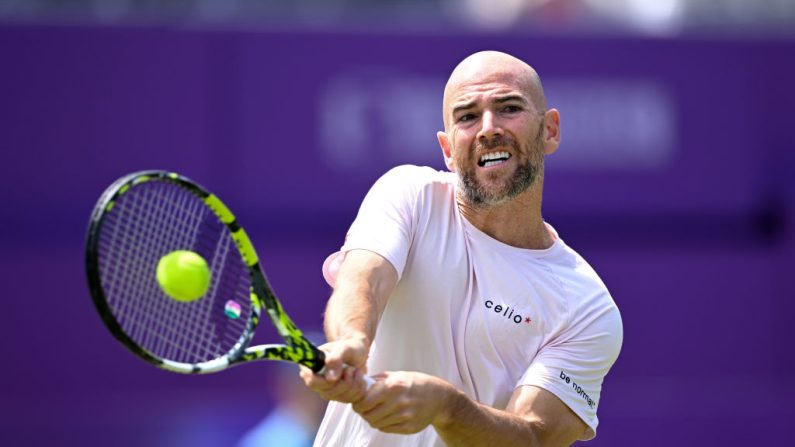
(407, 402)
(533, 417)
(364, 283)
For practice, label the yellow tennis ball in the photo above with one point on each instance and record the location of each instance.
(183, 275)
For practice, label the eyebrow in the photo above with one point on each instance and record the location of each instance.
(508, 98)
(499, 100)
(465, 106)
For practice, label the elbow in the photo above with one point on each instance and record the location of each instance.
(544, 435)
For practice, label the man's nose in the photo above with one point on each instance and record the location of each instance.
(489, 126)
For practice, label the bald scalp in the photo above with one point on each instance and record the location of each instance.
(483, 64)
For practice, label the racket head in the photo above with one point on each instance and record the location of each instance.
(137, 220)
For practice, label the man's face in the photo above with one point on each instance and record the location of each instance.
(496, 138)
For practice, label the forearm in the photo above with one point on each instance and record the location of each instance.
(363, 285)
(464, 422)
(350, 314)
(406, 402)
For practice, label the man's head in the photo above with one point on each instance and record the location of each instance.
(497, 128)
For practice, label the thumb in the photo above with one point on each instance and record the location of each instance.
(332, 370)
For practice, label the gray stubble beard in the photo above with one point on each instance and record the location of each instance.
(526, 174)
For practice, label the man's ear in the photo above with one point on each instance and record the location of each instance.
(551, 131)
(447, 149)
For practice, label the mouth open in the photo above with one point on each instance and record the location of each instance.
(493, 159)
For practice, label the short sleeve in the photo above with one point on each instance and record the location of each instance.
(386, 219)
(573, 366)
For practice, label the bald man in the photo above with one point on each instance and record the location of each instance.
(479, 325)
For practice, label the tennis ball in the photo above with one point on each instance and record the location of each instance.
(183, 275)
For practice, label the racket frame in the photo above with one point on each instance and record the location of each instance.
(298, 349)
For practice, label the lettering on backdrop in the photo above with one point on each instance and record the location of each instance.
(379, 118)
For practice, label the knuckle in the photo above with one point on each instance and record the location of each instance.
(397, 429)
(316, 385)
(349, 397)
(360, 406)
(407, 430)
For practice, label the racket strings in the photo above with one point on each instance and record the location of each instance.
(201, 341)
(144, 322)
(145, 325)
(147, 222)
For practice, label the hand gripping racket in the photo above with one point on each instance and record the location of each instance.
(146, 215)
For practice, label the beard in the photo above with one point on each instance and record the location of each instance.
(476, 193)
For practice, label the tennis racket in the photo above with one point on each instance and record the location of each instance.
(146, 215)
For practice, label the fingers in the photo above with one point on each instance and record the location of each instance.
(332, 371)
(396, 416)
(343, 353)
(385, 414)
(349, 386)
(376, 396)
(342, 378)
(402, 401)
(383, 405)
(353, 352)
(404, 428)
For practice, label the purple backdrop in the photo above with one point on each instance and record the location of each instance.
(676, 180)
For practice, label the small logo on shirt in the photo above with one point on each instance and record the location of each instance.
(508, 312)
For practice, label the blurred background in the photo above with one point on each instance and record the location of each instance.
(675, 179)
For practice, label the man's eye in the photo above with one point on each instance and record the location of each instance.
(511, 109)
(466, 117)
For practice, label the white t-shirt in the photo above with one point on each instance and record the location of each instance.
(485, 316)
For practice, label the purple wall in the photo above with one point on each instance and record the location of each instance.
(676, 180)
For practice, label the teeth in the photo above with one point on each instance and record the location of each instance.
(494, 156)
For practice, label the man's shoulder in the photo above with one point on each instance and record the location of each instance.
(576, 274)
(587, 295)
(411, 179)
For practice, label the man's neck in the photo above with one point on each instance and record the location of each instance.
(517, 222)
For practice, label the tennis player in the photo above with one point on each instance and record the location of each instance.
(479, 324)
